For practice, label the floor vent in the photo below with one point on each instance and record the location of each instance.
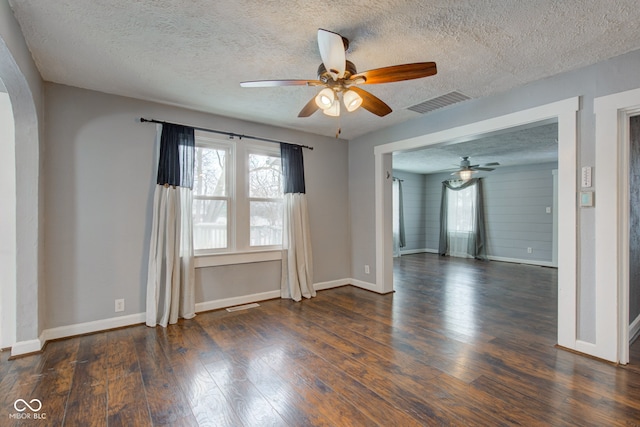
(439, 102)
(243, 307)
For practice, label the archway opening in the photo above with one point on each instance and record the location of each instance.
(7, 222)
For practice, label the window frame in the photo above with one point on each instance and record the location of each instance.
(205, 140)
(238, 186)
(469, 192)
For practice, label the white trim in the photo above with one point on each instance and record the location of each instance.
(384, 231)
(470, 131)
(231, 302)
(490, 257)
(634, 330)
(27, 347)
(586, 348)
(94, 326)
(215, 260)
(522, 261)
(331, 284)
(365, 285)
(554, 227)
(565, 112)
(612, 113)
(418, 251)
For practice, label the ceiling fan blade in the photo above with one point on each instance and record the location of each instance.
(397, 73)
(482, 169)
(277, 83)
(492, 164)
(372, 103)
(332, 52)
(309, 109)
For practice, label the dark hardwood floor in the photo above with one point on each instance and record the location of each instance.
(460, 342)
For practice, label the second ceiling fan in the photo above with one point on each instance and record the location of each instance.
(340, 79)
(466, 169)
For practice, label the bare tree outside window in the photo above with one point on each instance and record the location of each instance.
(256, 200)
(210, 201)
(265, 199)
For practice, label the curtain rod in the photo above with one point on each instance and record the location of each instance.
(229, 134)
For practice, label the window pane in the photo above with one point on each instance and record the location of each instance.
(209, 224)
(210, 172)
(266, 223)
(461, 209)
(265, 176)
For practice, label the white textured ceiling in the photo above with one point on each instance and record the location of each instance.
(194, 53)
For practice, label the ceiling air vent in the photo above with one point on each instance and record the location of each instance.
(439, 102)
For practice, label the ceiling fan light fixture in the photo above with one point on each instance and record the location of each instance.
(352, 100)
(325, 98)
(333, 111)
(465, 174)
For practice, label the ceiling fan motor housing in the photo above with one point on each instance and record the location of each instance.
(325, 77)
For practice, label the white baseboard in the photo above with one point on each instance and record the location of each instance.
(491, 258)
(418, 251)
(232, 302)
(94, 326)
(522, 261)
(364, 285)
(634, 329)
(26, 347)
(331, 284)
(36, 345)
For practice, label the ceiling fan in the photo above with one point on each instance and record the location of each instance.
(340, 79)
(467, 169)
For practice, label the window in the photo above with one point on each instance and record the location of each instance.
(211, 197)
(265, 199)
(237, 196)
(461, 210)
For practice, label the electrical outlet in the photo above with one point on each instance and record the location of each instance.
(529, 250)
(119, 305)
(366, 269)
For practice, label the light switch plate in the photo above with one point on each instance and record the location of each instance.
(586, 177)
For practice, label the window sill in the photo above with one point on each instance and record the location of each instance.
(215, 260)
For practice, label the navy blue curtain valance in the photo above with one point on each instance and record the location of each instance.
(292, 168)
(177, 150)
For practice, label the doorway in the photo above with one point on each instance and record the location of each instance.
(565, 114)
(517, 169)
(613, 114)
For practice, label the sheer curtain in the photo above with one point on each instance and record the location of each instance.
(297, 262)
(398, 218)
(170, 277)
(462, 227)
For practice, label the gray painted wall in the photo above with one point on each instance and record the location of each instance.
(99, 179)
(634, 220)
(515, 200)
(604, 78)
(413, 193)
